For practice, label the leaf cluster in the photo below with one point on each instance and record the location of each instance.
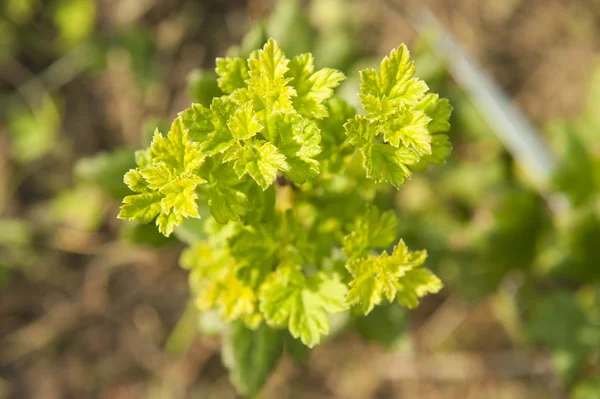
(289, 171)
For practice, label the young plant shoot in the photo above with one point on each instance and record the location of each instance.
(294, 178)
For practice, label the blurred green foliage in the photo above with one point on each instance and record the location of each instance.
(16, 246)
(33, 131)
(138, 42)
(81, 207)
(75, 20)
(482, 224)
(105, 171)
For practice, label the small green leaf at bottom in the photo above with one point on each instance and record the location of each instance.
(251, 355)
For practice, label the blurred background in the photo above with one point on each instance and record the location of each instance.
(91, 307)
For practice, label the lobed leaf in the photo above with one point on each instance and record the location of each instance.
(232, 73)
(371, 231)
(397, 276)
(312, 88)
(262, 161)
(403, 116)
(167, 181)
(244, 123)
(302, 303)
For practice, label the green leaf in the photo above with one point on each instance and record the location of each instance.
(244, 123)
(255, 250)
(200, 122)
(261, 161)
(385, 163)
(269, 63)
(226, 200)
(312, 88)
(366, 289)
(441, 148)
(395, 79)
(214, 284)
(438, 110)
(233, 73)
(373, 230)
(251, 356)
(302, 303)
(396, 276)
(410, 129)
(167, 222)
(180, 197)
(261, 203)
(379, 108)
(360, 131)
(136, 181)
(176, 151)
(268, 81)
(227, 203)
(170, 177)
(208, 127)
(141, 207)
(409, 121)
(154, 177)
(332, 127)
(416, 284)
(298, 141)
